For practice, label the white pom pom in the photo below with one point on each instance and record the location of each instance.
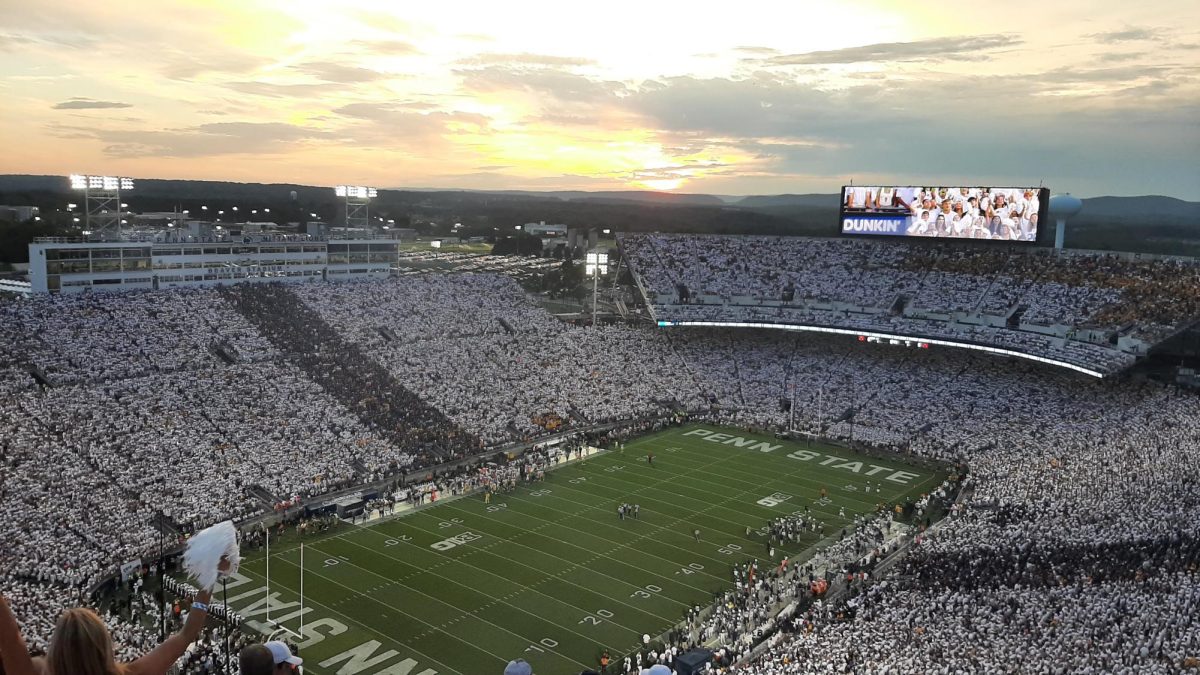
(205, 550)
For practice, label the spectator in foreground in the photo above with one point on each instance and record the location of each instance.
(14, 657)
(518, 667)
(82, 645)
(282, 658)
(256, 660)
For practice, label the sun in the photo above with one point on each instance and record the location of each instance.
(661, 183)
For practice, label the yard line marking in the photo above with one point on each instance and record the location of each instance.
(463, 612)
(389, 639)
(502, 540)
(379, 602)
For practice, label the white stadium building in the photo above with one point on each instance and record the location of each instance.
(61, 265)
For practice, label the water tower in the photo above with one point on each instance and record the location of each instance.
(1062, 207)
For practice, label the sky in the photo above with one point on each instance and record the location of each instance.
(1091, 97)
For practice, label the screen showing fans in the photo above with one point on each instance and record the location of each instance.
(992, 213)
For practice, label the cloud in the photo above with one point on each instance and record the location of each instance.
(386, 47)
(934, 48)
(1126, 35)
(89, 104)
(9, 42)
(1100, 75)
(387, 124)
(563, 85)
(1112, 57)
(205, 140)
(188, 65)
(273, 90)
(328, 71)
(390, 113)
(760, 51)
(887, 128)
(13, 41)
(526, 59)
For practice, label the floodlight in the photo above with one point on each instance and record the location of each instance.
(340, 190)
(71, 206)
(76, 219)
(124, 206)
(266, 210)
(126, 183)
(203, 208)
(78, 182)
(235, 208)
(518, 227)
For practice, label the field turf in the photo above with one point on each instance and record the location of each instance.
(549, 573)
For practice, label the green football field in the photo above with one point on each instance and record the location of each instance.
(549, 573)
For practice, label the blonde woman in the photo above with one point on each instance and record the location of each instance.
(82, 645)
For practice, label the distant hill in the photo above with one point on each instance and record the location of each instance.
(1145, 209)
(200, 189)
(1153, 223)
(774, 201)
(636, 196)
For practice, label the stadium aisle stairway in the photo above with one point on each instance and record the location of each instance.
(353, 377)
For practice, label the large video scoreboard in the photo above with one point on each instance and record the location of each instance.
(984, 213)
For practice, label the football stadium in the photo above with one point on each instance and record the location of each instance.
(866, 453)
(622, 338)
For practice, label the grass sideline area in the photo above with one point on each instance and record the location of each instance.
(548, 572)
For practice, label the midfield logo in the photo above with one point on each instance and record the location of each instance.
(457, 540)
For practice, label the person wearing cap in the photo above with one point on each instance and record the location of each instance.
(657, 669)
(518, 667)
(285, 660)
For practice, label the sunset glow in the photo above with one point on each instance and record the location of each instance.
(762, 97)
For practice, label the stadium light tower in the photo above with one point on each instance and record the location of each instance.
(102, 203)
(357, 197)
(597, 264)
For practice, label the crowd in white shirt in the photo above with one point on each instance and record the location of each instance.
(1074, 483)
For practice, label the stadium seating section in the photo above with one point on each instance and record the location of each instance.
(1098, 312)
(196, 406)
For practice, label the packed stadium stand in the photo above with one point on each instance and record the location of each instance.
(1077, 530)
(1095, 313)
